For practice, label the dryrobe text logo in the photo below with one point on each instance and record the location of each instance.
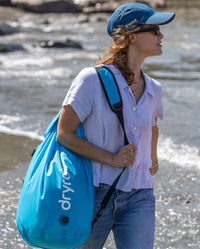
(66, 201)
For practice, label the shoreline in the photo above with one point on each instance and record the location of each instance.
(15, 149)
(89, 7)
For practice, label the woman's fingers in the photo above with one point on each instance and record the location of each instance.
(153, 170)
(125, 156)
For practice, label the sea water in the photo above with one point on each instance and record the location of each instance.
(34, 82)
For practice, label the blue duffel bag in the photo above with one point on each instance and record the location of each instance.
(56, 203)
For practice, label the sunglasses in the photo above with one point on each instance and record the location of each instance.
(154, 28)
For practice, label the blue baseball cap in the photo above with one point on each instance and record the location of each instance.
(130, 15)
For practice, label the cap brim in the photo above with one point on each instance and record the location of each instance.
(160, 18)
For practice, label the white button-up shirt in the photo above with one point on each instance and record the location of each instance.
(102, 128)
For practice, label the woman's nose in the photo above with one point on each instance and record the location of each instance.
(161, 36)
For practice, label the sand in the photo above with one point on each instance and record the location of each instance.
(15, 149)
(176, 189)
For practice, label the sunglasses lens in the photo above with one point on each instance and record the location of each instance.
(154, 28)
(157, 30)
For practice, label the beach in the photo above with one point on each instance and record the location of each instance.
(14, 150)
(35, 80)
(176, 191)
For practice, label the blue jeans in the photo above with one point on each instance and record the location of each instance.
(131, 217)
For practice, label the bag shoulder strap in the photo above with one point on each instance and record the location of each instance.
(112, 93)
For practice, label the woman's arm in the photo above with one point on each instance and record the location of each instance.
(154, 142)
(67, 126)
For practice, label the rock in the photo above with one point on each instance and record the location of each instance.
(6, 29)
(154, 3)
(57, 44)
(47, 6)
(93, 6)
(5, 3)
(98, 17)
(100, 6)
(4, 48)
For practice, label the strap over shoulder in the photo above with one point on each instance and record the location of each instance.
(110, 87)
(112, 92)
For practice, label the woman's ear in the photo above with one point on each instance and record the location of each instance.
(132, 38)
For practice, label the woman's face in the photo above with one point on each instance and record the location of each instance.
(148, 43)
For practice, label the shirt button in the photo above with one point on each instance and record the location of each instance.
(134, 128)
(134, 108)
(132, 167)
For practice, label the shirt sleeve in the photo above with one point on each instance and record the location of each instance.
(80, 94)
(159, 111)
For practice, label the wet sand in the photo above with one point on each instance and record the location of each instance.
(176, 190)
(15, 149)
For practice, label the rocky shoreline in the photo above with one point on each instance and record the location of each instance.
(90, 10)
(88, 6)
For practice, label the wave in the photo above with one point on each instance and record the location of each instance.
(53, 74)
(180, 154)
(5, 120)
(18, 61)
(18, 132)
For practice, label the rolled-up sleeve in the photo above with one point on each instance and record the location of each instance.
(80, 95)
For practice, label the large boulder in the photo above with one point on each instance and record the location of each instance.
(5, 29)
(10, 47)
(94, 6)
(5, 2)
(58, 44)
(47, 6)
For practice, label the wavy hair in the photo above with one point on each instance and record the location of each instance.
(117, 54)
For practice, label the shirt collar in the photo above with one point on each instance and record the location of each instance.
(122, 82)
(148, 85)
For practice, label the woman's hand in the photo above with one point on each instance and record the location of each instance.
(125, 156)
(67, 126)
(154, 168)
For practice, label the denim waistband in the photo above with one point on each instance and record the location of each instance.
(105, 186)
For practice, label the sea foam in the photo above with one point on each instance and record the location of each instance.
(179, 154)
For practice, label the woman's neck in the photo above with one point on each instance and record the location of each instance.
(134, 64)
(138, 84)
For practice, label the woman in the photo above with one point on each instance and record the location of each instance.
(130, 213)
